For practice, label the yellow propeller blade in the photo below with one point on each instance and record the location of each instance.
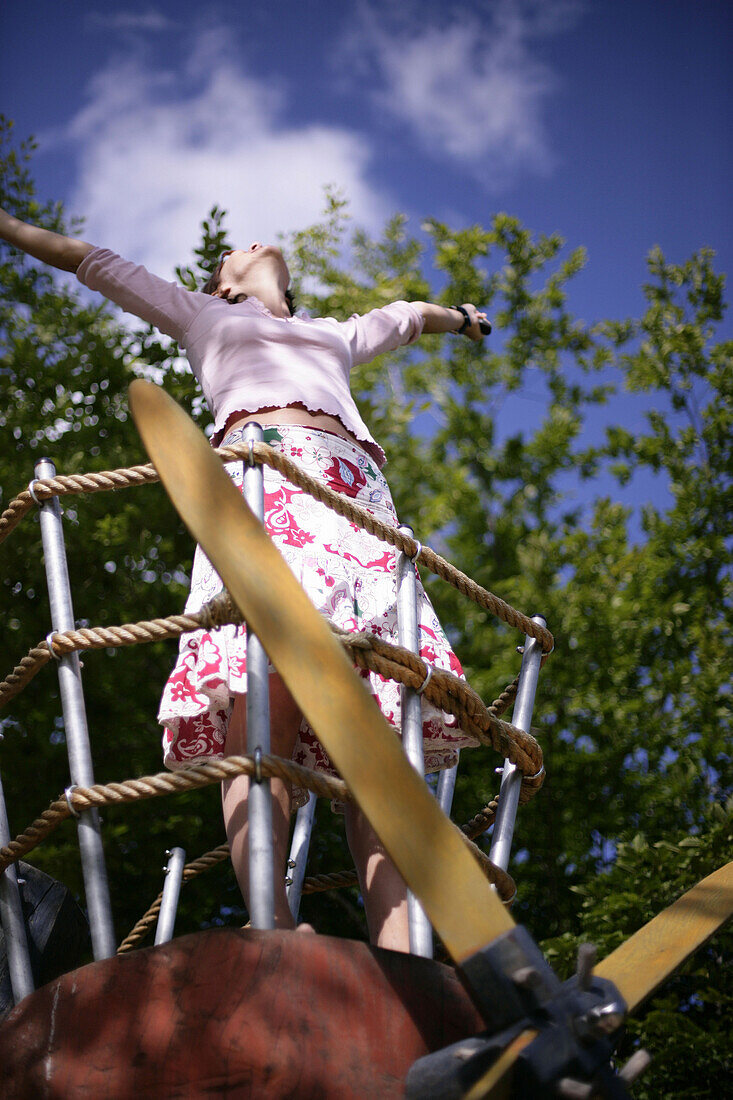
(641, 964)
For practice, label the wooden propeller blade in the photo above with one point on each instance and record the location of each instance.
(641, 964)
(466, 913)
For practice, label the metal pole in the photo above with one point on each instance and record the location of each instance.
(299, 854)
(75, 724)
(421, 933)
(11, 919)
(261, 856)
(511, 777)
(171, 891)
(446, 787)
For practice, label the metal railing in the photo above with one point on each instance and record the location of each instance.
(260, 837)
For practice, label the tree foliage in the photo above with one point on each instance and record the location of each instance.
(580, 470)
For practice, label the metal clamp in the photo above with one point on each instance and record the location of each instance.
(578, 1024)
(258, 765)
(426, 681)
(68, 793)
(251, 458)
(417, 553)
(532, 777)
(49, 643)
(34, 498)
(507, 902)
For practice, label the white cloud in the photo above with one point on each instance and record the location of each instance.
(158, 149)
(150, 20)
(469, 84)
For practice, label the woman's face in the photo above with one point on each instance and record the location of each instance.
(258, 261)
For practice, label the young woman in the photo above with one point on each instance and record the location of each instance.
(255, 360)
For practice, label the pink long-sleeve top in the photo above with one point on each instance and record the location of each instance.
(244, 357)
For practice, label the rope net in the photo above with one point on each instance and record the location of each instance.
(443, 689)
(126, 477)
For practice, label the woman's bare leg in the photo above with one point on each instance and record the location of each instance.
(382, 886)
(285, 720)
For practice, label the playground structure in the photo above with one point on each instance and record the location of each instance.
(467, 935)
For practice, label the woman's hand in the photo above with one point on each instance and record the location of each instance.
(55, 249)
(478, 323)
(452, 318)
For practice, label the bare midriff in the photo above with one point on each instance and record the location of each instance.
(293, 414)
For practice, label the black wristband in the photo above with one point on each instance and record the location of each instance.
(466, 320)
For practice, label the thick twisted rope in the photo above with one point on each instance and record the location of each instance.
(392, 535)
(98, 637)
(261, 452)
(444, 690)
(69, 484)
(78, 799)
(449, 693)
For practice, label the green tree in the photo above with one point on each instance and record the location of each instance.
(633, 709)
(65, 365)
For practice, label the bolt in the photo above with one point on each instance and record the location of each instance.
(526, 977)
(605, 1019)
(635, 1066)
(574, 1090)
(586, 962)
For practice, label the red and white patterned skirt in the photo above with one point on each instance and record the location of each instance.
(350, 577)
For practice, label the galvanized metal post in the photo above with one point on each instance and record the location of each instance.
(421, 933)
(511, 777)
(261, 856)
(96, 887)
(11, 919)
(171, 892)
(446, 787)
(299, 854)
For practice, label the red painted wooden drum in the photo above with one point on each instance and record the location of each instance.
(234, 1013)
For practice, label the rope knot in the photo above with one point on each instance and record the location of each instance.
(219, 611)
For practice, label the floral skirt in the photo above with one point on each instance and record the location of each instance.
(350, 577)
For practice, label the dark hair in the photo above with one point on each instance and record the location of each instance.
(212, 285)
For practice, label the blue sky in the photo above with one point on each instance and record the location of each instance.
(607, 121)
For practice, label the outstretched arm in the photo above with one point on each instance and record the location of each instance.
(401, 323)
(450, 319)
(55, 249)
(166, 305)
